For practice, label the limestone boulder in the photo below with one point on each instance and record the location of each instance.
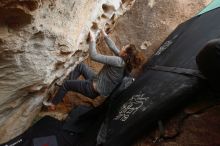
(41, 41)
(149, 22)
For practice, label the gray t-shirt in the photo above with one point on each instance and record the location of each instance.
(112, 72)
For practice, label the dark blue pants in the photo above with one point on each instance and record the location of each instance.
(84, 87)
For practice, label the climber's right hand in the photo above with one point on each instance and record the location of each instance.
(103, 32)
(91, 36)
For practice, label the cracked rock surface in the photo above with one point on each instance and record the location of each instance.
(41, 41)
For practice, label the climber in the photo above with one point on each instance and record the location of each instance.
(108, 77)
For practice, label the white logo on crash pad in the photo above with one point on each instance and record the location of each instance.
(135, 103)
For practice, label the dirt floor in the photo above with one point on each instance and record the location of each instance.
(197, 124)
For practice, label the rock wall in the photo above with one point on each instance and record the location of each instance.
(149, 22)
(40, 42)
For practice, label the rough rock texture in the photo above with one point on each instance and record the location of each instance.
(149, 22)
(146, 25)
(41, 41)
